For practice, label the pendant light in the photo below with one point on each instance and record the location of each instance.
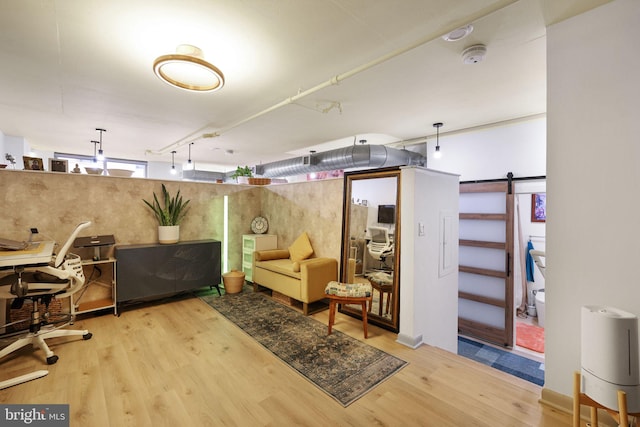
(95, 156)
(189, 162)
(438, 153)
(173, 163)
(100, 152)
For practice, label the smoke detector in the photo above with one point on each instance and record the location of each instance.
(474, 54)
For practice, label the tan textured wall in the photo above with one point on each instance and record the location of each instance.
(56, 202)
(314, 207)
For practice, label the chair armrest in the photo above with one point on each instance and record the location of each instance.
(315, 273)
(270, 254)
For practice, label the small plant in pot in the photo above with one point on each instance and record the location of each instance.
(242, 174)
(169, 215)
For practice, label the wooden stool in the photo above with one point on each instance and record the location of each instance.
(335, 300)
(579, 398)
(382, 288)
(348, 293)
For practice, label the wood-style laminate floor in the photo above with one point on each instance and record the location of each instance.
(181, 363)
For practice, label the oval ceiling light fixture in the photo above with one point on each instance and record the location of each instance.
(458, 33)
(187, 69)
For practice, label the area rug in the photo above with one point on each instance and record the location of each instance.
(505, 361)
(341, 366)
(530, 336)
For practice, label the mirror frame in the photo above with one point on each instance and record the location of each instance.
(349, 178)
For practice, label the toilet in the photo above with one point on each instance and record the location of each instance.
(540, 306)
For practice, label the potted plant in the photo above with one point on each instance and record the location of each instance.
(242, 174)
(169, 215)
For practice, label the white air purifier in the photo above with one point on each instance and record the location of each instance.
(609, 356)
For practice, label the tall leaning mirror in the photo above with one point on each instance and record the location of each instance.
(371, 237)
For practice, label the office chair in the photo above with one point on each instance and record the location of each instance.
(60, 278)
(380, 246)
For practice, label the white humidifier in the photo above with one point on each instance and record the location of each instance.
(609, 356)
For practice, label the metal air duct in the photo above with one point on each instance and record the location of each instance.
(352, 157)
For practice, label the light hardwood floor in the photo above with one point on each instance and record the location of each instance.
(181, 363)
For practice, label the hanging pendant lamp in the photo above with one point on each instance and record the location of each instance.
(100, 152)
(173, 163)
(437, 153)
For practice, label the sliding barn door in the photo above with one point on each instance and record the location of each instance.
(485, 295)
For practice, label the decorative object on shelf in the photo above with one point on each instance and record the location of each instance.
(57, 165)
(259, 225)
(259, 181)
(32, 163)
(11, 159)
(242, 174)
(93, 171)
(169, 215)
(76, 169)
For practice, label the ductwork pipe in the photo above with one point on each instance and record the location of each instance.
(352, 157)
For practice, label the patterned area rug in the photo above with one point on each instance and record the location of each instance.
(343, 367)
(530, 336)
(505, 361)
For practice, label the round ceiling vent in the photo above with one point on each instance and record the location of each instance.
(474, 54)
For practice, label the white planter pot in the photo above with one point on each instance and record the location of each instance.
(243, 179)
(168, 234)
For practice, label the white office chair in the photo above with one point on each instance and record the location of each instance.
(61, 278)
(380, 245)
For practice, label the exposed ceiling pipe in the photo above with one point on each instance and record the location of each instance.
(197, 134)
(351, 157)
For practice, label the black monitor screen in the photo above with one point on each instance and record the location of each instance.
(387, 214)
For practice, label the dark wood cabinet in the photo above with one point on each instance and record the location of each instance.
(153, 270)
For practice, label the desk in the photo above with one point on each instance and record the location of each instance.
(32, 256)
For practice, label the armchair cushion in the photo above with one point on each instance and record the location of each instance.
(301, 249)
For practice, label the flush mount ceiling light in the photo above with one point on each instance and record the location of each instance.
(458, 33)
(187, 69)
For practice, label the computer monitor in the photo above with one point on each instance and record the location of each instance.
(387, 214)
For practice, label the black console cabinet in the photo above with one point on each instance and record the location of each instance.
(154, 270)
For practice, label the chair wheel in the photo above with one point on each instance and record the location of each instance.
(87, 336)
(51, 360)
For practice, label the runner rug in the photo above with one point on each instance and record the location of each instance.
(341, 366)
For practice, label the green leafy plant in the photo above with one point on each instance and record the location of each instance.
(173, 209)
(242, 171)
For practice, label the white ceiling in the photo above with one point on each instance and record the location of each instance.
(68, 67)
